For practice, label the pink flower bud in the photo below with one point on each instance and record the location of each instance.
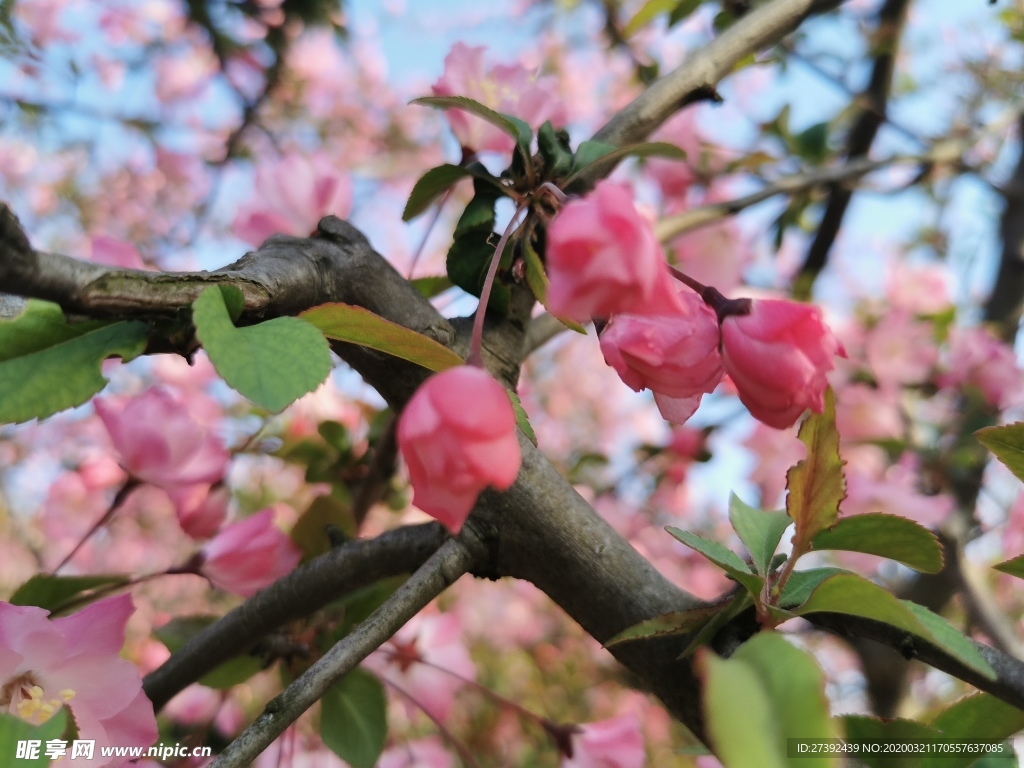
(201, 509)
(458, 436)
(249, 555)
(778, 357)
(160, 443)
(674, 355)
(615, 743)
(603, 259)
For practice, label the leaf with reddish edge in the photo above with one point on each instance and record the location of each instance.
(816, 484)
(721, 556)
(1007, 443)
(344, 322)
(669, 624)
(891, 536)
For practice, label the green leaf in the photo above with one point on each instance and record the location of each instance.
(1007, 443)
(759, 531)
(816, 484)
(178, 631)
(891, 536)
(39, 325)
(647, 13)
(52, 592)
(669, 624)
(65, 374)
(802, 583)
(513, 126)
(980, 716)
(273, 363)
(683, 10)
(468, 261)
(589, 152)
(356, 325)
(612, 157)
(1013, 567)
(436, 182)
(554, 148)
(537, 279)
(522, 418)
(310, 530)
(721, 556)
(812, 144)
(360, 604)
(14, 729)
(353, 719)
(432, 286)
(740, 602)
(861, 728)
(854, 596)
(768, 692)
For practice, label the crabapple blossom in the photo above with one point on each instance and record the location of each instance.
(979, 359)
(510, 89)
(201, 509)
(603, 259)
(159, 441)
(249, 555)
(901, 350)
(458, 436)
(778, 356)
(292, 195)
(614, 743)
(674, 355)
(115, 253)
(75, 661)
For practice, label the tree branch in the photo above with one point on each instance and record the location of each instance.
(354, 565)
(858, 143)
(1004, 303)
(444, 567)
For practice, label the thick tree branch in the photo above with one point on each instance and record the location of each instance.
(444, 567)
(354, 565)
(698, 75)
(1004, 303)
(858, 143)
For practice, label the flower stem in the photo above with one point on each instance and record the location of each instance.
(722, 306)
(130, 485)
(476, 341)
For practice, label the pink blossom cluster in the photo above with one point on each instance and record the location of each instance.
(604, 262)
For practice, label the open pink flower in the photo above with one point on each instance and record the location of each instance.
(115, 253)
(673, 355)
(979, 359)
(201, 509)
(75, 661)
(510, 89)
(458, 436)
(778, 356)
(604, 260)
(291, 197)
(160, 443)
(615, 743)
(249, 555)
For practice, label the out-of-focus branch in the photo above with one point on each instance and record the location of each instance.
(873, 104)
(698, 75)
(1004, 303)
(443, 568)
(353, 565)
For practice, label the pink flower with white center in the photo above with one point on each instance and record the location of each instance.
(457, 435)
(614, 743)
(603, 259)
(115, 253)
(291, 197)
(422, 753)
(979, 359)
(249, 555)
(201, 509)
(160, 443)
(673, 355)
(411, 659)
(510, 89)
(778, 356)
(75, 662)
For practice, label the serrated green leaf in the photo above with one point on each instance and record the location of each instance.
(273, 363)
(65, 375)
(39, 325)
(436, 182)
(179, 630)
(669, 624)
(860, 728)
(14, 729)
(891, 536)
(522, 418)
(1013, 567)
(802, 583)
(52, 592)
(513, 126)
(855, 596)
(981, 716)
(647, 13)
(430, 287)
(537, 279)
(1007, 443)
(816, 484)
(721, 556)
(356, 325)
(602, 157)
(353, 719)
(759, 531)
